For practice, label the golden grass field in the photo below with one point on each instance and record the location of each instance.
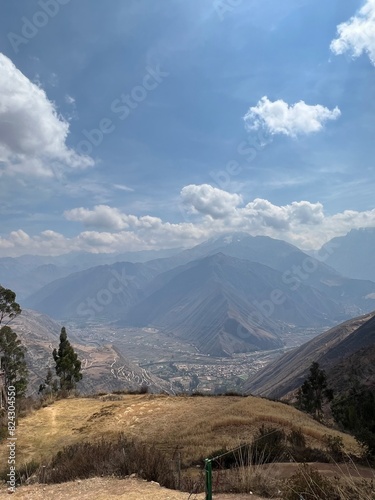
(197, 425)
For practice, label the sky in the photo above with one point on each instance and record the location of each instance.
(146, 124)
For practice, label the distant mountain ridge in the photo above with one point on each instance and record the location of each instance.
(331, 349)
(257, 285)
(222, 304)
(99, 292)
(29, 273)
(353, 254)
(297, 267)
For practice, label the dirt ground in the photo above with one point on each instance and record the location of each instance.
(108, 489)
(136, 489)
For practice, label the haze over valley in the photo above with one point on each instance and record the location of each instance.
(205, 318)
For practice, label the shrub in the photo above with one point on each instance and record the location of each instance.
(268, 445)
(308, 484)
(144, 389)
(296, 438)
(109, 458)
(335, 447)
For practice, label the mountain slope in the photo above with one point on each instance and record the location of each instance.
(222, 305)
(28, 273)
(100, 292)
(103, 367)
(108, 291)
(296, 267)
(353, 254)
(329, 349)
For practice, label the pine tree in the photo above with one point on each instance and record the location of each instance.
(313, 391)
(68, 366)
(50, 385)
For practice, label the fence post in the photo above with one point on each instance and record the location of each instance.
(179, 470)
(43, 474)
(208, 470)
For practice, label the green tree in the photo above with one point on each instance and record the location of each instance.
(355, 412)
(12, 361)
(68, 366)
(8, 305)
(194, 382)
(313, 391)
(50, 385)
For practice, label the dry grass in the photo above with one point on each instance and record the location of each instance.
(337, 483)
(198, 425)
(98, 489)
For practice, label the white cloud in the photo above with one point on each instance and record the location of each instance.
(123, 187)
(151, 232)
(357, 35)
(209, 200)
(102, 216)
(32, 134)
(69, 99)
(262, 215)
(302, 223)
(279, 117)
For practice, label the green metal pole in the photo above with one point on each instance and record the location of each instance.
(208, 470)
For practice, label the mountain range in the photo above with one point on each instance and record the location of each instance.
(29, 273)
(223, 305)
(233, 293)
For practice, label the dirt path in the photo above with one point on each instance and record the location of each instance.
(108, 489)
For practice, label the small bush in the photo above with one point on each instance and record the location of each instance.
(26, 471)
(269, 445)
(144, 389)
(109, 458)
(296, 438)
(234, 393)
(308, 484)
(335, 447)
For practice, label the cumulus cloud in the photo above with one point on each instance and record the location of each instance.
(357, 36)
(32, 134)
(209, 200)
(262, 214)
(146, 237)
(109, 218)
(302, 223)
(102, 216)
(279, 117)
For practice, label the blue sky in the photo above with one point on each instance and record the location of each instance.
(169, 83)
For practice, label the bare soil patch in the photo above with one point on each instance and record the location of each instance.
(108, 489)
